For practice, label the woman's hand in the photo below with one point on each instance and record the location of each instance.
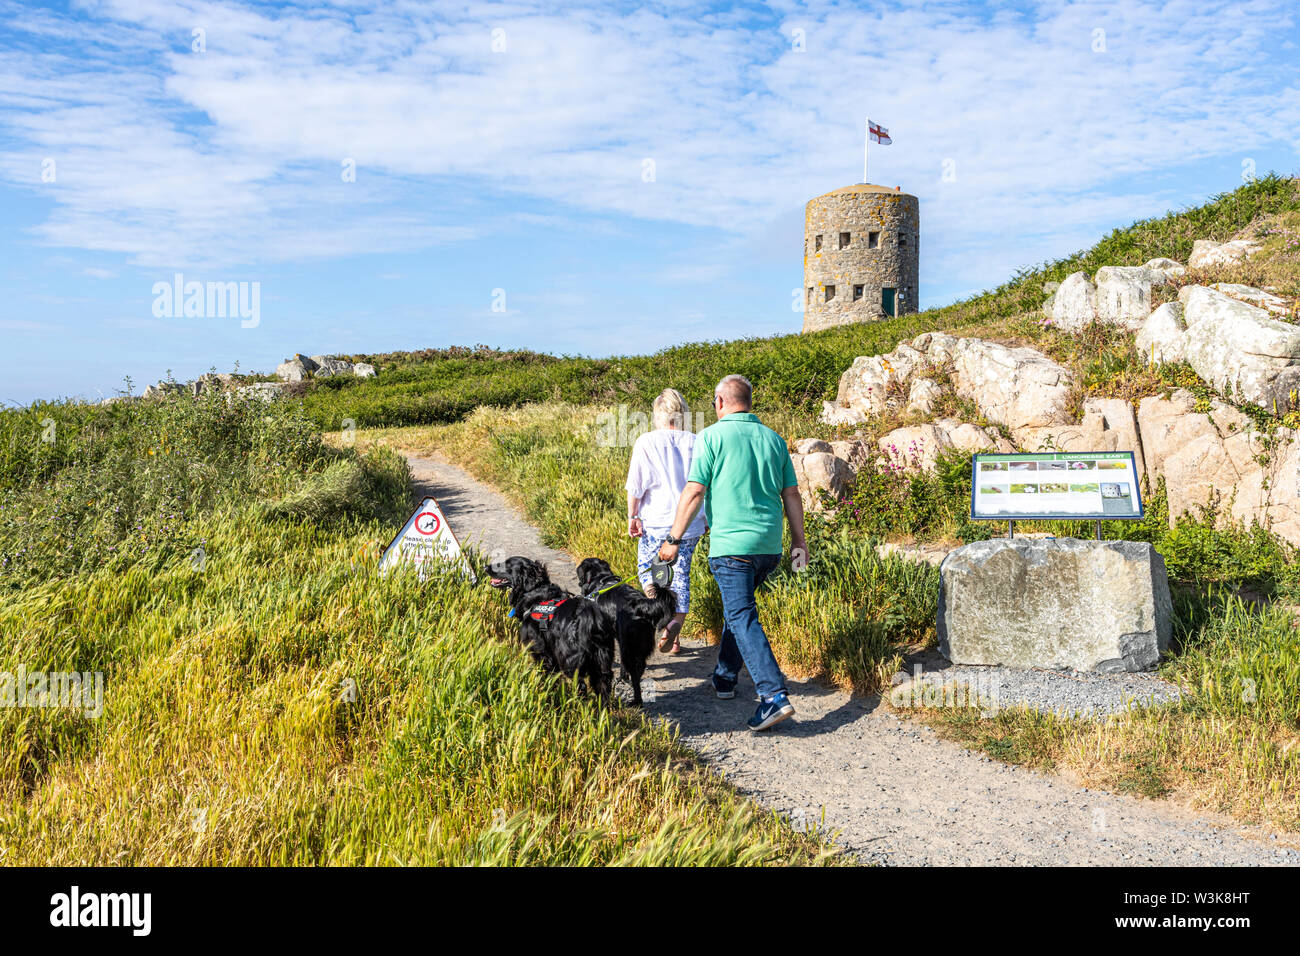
(634, 529)
(668, 552)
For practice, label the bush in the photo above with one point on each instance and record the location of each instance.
(884, 501)
(372, 486)
(90, 486)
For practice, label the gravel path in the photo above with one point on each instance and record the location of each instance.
(483, 519)
(886, 788)
(929, 677)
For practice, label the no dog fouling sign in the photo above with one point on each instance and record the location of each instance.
(426, 537)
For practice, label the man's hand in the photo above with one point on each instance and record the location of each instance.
(794, 514)
(668, 552)
(634, 528)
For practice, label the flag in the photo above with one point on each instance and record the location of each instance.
(878, 134)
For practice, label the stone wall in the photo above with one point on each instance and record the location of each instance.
(859, 211)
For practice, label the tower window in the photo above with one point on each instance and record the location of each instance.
(810, 295)
(844, 239)
(902, 238)
(817, 244)
(857, 293)
(873, 240)
(830, 292)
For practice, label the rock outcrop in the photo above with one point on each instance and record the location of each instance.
(1121, 295)
(1055, 603)
(302, 367)
(296, 369)
(826, 466)
(1260, 297)
(1074, 304)
(1108, 424)
(1020, 388)
(327, 365)
(918, 447)
(1233, 336)
(1240, 349)
(1217, 459)
(1206, 252)
(1124, 294)
(1161, 337)
(263, 391)
(164, 389)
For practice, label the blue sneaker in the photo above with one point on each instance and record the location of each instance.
(771, 713)
(725, 689)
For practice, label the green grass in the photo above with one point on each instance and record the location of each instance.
(279, 702)
(1233, 745)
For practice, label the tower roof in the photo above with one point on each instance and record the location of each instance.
(864, 188)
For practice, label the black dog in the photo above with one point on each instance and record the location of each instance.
(633, 616)
(564, 632)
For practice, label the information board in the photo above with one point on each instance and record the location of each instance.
(1055, 486)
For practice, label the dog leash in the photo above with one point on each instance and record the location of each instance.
(595, 594)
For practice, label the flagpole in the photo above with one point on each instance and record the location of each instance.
(866, 148)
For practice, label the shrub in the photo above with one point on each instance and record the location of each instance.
(372, 486)
(108, 485)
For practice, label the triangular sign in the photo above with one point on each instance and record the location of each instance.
(425, 537)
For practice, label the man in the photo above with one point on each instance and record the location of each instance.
(742, 474)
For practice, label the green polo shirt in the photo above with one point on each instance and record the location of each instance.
(744, 466)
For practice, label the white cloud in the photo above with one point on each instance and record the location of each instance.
(26, 325)
(232, 156)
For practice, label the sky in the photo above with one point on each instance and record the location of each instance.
(579, 178)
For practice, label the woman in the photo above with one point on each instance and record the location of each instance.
(661, 460)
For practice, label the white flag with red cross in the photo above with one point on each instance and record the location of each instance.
(878, 133)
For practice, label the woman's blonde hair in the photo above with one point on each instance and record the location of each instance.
(669, 409)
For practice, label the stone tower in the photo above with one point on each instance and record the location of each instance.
(860, 247)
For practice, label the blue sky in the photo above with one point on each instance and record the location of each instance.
(503, 146)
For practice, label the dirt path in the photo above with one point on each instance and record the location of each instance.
(888, 789)
(484, 520)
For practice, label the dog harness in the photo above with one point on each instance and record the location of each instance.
(542, 613)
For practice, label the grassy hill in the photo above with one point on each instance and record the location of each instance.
(793, 372)
(269, 699)
(1233, 744)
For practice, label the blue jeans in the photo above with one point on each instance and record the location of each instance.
(743, 640)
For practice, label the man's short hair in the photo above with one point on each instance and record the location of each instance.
(735, 390)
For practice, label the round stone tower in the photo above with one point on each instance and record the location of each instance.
(860, 247)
